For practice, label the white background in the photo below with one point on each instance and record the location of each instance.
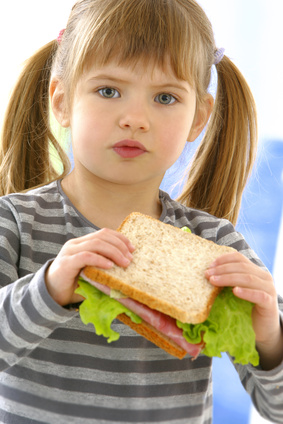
(249, 30)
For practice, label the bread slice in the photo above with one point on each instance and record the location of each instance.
(167, 270)
(150, 333)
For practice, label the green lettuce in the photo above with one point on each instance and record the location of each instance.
(227, 329)
(100, 310)
(186, 229)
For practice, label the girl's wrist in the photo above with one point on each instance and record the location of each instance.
(271, 352)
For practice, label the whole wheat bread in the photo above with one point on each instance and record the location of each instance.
(150, 333)
(167, 270)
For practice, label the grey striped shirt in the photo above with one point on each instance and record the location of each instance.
(56, 370)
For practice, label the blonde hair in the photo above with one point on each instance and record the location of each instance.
(128, 30)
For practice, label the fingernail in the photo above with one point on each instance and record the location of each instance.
(126, 261)
(129, 256)
(214, 278)
(210, 271)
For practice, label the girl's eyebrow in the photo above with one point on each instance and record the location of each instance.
(171, 85)
(107, 77)
(114, 79)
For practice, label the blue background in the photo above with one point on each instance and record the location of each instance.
(259, 222)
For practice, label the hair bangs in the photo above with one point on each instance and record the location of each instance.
(150, 31)
(131, 32)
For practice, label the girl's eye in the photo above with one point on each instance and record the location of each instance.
(109, 92)
(165, 99)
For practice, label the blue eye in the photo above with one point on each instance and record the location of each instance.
(165, 99)
(109, 92)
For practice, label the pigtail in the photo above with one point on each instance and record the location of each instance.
(225, 157)
(26, 139)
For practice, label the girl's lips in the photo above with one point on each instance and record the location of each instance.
(129, 149)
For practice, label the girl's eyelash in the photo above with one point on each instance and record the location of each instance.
(108, 92)
(166, 99)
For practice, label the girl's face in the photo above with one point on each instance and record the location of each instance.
(130, 124)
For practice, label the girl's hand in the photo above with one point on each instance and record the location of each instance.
(252, 283)
(102, 249)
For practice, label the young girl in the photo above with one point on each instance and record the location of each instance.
(130, 79)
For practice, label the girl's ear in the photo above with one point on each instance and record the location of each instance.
(58, 104)
(201, 118)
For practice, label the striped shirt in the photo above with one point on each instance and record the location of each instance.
(54, 369)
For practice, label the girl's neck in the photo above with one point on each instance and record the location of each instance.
(107, 205)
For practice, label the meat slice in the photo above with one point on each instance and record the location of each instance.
(161, 322)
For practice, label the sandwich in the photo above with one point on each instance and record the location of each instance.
(164, 295)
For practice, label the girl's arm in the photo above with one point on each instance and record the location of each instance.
(31, 306)
(252, 283)
(102, 248)
(28, 315)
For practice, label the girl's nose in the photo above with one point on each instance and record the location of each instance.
(134, 117)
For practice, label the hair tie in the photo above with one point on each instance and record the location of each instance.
(59, 38)
(218, 55)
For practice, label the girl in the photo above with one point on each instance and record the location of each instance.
(130, 80)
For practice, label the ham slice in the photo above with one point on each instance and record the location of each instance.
(161, 322)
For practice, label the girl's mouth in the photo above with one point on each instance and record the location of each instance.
(129, 149)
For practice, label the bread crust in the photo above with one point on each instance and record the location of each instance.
(152, 302)
(154, 336)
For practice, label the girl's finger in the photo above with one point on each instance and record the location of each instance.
(258, 297)
(233, 269)
(108, 235)
(106, 243)
(248, 270)
(234, 257)
(101, 248)
(234, 279)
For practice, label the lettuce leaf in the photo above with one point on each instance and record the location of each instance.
(227, 329)
(186, 229)
(100, 310)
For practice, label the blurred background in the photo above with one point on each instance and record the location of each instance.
(251, 33)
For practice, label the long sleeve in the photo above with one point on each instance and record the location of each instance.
(265, 389)
(27, 316)
(56, 369)
(27, 312)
